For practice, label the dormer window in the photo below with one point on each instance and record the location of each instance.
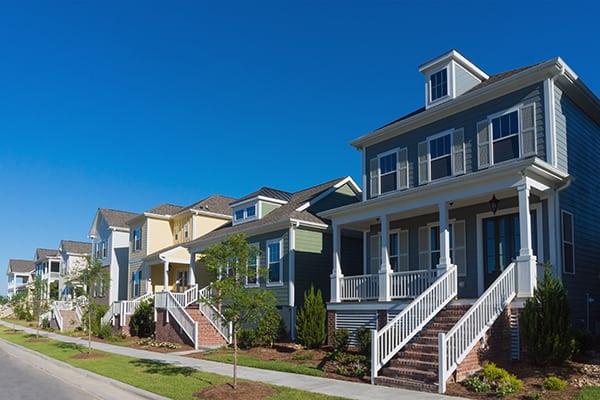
(438, 85)
(244, 214)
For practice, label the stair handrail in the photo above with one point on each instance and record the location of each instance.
(58, 316)
(455, 345)
(390, 339)
(213, 315)
(172, 307)
(79, 313)
(188, 297)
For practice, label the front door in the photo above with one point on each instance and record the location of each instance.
(502, 243)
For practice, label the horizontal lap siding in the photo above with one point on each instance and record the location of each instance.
(313, 263)
(340, 197)
(583, 142)
(352, 320)
(280, 292)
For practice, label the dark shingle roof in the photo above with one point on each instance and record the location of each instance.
(165, 209)
(492, 79)
(44, 253)
(267, 192)
(22, 266)
(71, 246)
(284, 213)
(214, 204)
(116, 218)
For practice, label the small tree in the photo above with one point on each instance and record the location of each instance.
(93, 278)
(142, 319)
(228, 263)
(545, 323)
(39, 301)
(310, 322)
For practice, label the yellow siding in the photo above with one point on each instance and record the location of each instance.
(143, 251)
(206, 224)
(160, 235)
(179, 228)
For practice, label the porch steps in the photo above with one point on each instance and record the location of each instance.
(416, 366)
(70, 320)
(207, 333)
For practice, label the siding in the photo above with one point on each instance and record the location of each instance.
(463, 80)
(266, 208)
(341, 197)
(280, 292)
(583, 142)
(313, 263)
(561, 131)
(468, 120)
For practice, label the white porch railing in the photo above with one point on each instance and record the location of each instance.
(456, 344)
(167, 301)
(213, 315)
(59, 318)
(188, 297)
(409, 284)
(359, 287)
(123, 308)
(399, 331)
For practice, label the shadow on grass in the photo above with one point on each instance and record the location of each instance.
(158, 367)
(70, 346)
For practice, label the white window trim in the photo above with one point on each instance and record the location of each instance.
(449, 81)
(563, 241)
(491, 139)
(398, 170)
(431, 138)
(379, 157)
(244, 210)
(280, 282)
(398, 232)
(137, 244)
(257, 283)
(453, 240)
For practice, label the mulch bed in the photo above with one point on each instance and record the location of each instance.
(243, 391)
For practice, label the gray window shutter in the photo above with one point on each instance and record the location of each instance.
(483, 144)
(403, 250)
(528, 145)
(424, 258)
(402, 169)
(459, 250)
(458, 151)
(374, 171)
(423, 163)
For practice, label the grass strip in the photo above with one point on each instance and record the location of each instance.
(281, 366)
(164, 379)
(588, 393)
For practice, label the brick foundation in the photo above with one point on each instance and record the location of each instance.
(126, 330)
(330, 326)
(169, 331)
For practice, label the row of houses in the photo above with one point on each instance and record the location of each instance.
(464, 202)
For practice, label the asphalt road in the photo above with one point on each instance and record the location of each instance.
(27, 375)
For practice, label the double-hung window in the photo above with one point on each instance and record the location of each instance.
(104, 248)
(135, 284)
(568, 243)
(137, 239)
(398, 250)
(438, 85)
(97, 248)
(274, 262)
(252, 273)
(506, 136)
(430, 246)
(442, 155)
(389, 172)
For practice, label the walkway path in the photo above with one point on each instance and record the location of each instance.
(333, 387)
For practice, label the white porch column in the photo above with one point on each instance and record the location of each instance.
(384, 268)
(166, 276)
(445, 260)
(526, 261)
(192, 273)
(336, 273)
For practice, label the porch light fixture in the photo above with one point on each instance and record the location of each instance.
(494, 204)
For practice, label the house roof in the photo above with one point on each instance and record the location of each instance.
(22, 266)
(286, 213)
(216, 204)
(268, 192)
(71, 246)
(492, 79)
(116, 218)
(165, 209)
(44, 253)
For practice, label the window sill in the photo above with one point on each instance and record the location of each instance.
(274, 284)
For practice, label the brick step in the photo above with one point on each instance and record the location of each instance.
(207, 333)
(410, 362)
(406, 383)
(410, 373)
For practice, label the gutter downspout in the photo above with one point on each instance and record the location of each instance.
(292, 277)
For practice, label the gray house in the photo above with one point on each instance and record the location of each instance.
(465, 200)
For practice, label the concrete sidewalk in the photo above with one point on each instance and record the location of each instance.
(333, 387)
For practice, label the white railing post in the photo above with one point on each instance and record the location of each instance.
(374, 356)
(442, 362)
(195, 335)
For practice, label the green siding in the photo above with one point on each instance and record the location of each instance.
(267, 207)
(313, 263)
(341, 197)
(280, 292)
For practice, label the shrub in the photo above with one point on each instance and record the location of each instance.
(554, 383)
(246, 338)
(341, 338)
(477, 385)
(363, 335)
(105, 332)
(583, 341)
(533, 396)
(493, 373)
(97, 311)
(508, 385)
(270, 328)
(496, 378)
(310, 322)
(545, 323)
(45, 323)
(142, 320)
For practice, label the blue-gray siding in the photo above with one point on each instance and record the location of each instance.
(561, 131)
(464, 80)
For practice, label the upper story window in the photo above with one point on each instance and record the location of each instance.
(441, 156)
(97, 249)
(244, 214)
(389, 172)
(186, 231)
(506, 136)
(104, 248)
(438, 85)
(252, 275)
(137, 239)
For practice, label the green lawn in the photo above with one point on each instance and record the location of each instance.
(281, 366)
(164, 379)
(588, 393)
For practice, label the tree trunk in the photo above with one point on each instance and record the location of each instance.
(234, 327)
(89, 325)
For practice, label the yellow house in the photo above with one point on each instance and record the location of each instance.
(157, 259)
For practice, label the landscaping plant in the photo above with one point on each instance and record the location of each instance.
(310, 321)
(142, 320)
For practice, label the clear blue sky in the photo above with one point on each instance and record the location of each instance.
(129, 104)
